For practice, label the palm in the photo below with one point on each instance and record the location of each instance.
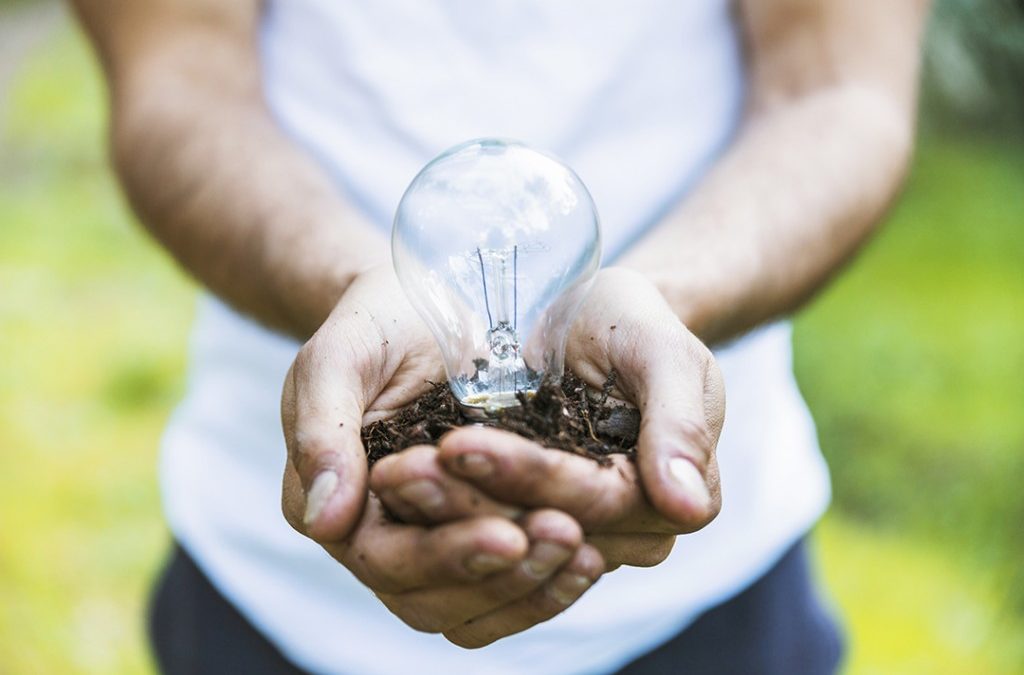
(420, 366)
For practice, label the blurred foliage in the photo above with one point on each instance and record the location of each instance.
(911, 362)
(974, 67)
(93, 323)
(929, 328)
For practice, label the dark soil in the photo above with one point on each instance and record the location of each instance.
(569, 417)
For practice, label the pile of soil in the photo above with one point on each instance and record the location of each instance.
(567, 416)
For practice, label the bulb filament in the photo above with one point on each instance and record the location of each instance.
(502, 334)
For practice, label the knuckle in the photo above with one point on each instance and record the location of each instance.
(366, 351)
(414, 614)
(293, 503)
(311, 358)
(528, 472)
(554, 526)
(675, 346)
(662, 549)
(539, 462)
(305, 358)
(439, 558)
(695, 349)
(292, 510)
(633, 550)
(383, 582)
(313, 450)
(605, 502)
(384, 474)
(381, 579)
(588, 492)
(543, 605)
(424, 622)
(654, 552)
(410, 464)
(707, 357)
(588, 561)
(696, 435)
(460, 637)
(313, 443)
(365, 360)
(508, 588)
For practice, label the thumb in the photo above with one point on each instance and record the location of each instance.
(671, 377)
(325, 481)
(682, 405)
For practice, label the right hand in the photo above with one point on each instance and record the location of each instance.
(632, 510)
(476, 579)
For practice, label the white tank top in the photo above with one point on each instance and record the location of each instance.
(639, 98)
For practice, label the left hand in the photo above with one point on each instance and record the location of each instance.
(631, 511)
(475, 579)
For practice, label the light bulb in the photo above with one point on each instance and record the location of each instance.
(496, 245)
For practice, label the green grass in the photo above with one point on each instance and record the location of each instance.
(912, 363)
(910, 607)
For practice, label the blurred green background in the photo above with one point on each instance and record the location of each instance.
(913, 363)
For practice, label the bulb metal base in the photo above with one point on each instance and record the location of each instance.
(488, 406)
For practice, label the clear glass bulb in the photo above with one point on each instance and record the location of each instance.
(496, 244)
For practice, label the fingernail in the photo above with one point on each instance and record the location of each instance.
(544, 557)
(319, 493)
(567, 588)
(689, 478)
(426, 495)
(474, 465)
(485, 563)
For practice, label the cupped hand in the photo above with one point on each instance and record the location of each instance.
(631, 511)
(371, 357)
(475, 579)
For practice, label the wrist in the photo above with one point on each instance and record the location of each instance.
(685, 295)
(336, 262)
(688, 299)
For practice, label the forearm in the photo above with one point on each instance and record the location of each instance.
(821, 153)
(801, 187)
(220, 186)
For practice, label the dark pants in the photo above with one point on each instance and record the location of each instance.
(776, 626)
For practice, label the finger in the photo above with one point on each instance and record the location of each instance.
(345, 365)
(391, 557)
(325, 479)
(674, 381)
(414, 486)
(515, 470)
(634, 550)
(553, 598)
(554, 539)
(681, 412)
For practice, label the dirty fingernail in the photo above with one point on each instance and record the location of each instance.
(426, 495)
(567, 588)
(689, 478)
(474, 465)
(319, 493)
(544, 557)
(485, 563)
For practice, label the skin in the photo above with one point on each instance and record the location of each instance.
(486, 552)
